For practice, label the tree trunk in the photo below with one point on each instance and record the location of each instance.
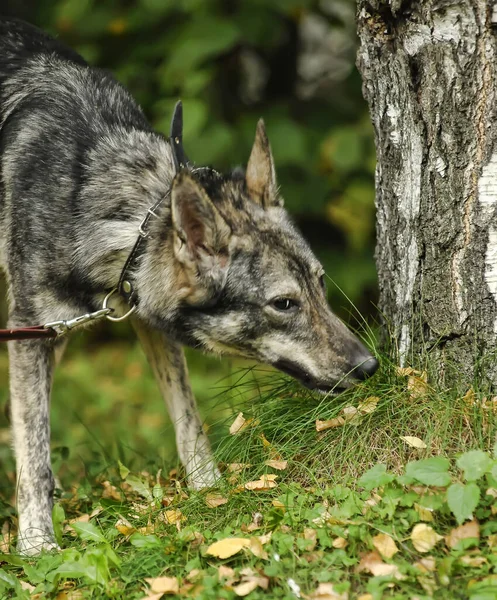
(429, 76)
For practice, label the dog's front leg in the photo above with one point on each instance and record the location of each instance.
(31, 366)
(168, 363)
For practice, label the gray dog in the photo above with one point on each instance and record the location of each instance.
(95, 205)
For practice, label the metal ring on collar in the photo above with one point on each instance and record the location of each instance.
(116, 319)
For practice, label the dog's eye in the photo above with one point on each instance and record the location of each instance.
(284, 304)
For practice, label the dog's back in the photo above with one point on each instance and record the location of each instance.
(54, 110)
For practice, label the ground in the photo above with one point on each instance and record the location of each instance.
(388, 491)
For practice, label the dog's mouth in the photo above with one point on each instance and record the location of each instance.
(307, 380)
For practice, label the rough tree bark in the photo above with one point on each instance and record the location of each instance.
(429, 76)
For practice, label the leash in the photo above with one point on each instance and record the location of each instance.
(124, 287)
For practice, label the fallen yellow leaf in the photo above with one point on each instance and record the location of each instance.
(279, 465)
(225, 572)
(266, 482)
(256, 548)
(413, 441)
(424, 537)
(406, 371)
(110, 491)
(237, 424)
(418, 386)
(425, 514)
(278, 504)
(351, 414)
(426, 564)
(326, 591)
(124, 527)
(385, 545)
(227, 547)
(214, 500)
(163, 585)
(464, 532)
(373, 564)
(312, 536)
(339, 543)
(329, 424)
(368, 405)
(243, 589)
(237, 467)
(173, 516)
(473, 561)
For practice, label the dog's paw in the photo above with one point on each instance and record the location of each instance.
(204, 478)
(30, 543)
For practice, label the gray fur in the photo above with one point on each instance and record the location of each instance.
(79, 167)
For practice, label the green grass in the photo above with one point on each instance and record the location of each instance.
(108, 419)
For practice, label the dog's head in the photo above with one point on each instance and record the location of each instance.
(244, 280)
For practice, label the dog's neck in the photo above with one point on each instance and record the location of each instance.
(126, 173)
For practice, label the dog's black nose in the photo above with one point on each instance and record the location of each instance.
(366, 368)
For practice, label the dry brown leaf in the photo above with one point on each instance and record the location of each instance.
(237, 467)
(227, 547)
(385, 545)
(257, 549)
(491, 492)
(329, 424)
(26, 586)
(372, 563)
(6, 538)
(264, 539)
(238, 424)
(273, 452)
(326, 591)
(266, 482)
(163, 585)
(425, 514)
(279, 465)
(214, 500)
(195, 574)
(110, 491)
(365, 597)
(424, 537)
(172, 516)
(311, 535)
(464, 532)
(427, 564)
(339, 543)
(368, 405)
(278, 504)
(250, 581)
(417, 385)
(243, 589)
(224, 572)
(473, 561)
(414, 441)
(406, 371)
(469, 397)
(351, 414)
(124, 527)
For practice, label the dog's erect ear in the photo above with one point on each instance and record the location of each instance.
(201, 231)
(260, 175)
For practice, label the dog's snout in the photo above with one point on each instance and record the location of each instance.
(366, 367)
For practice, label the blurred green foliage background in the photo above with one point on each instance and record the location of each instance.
(231, 62)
